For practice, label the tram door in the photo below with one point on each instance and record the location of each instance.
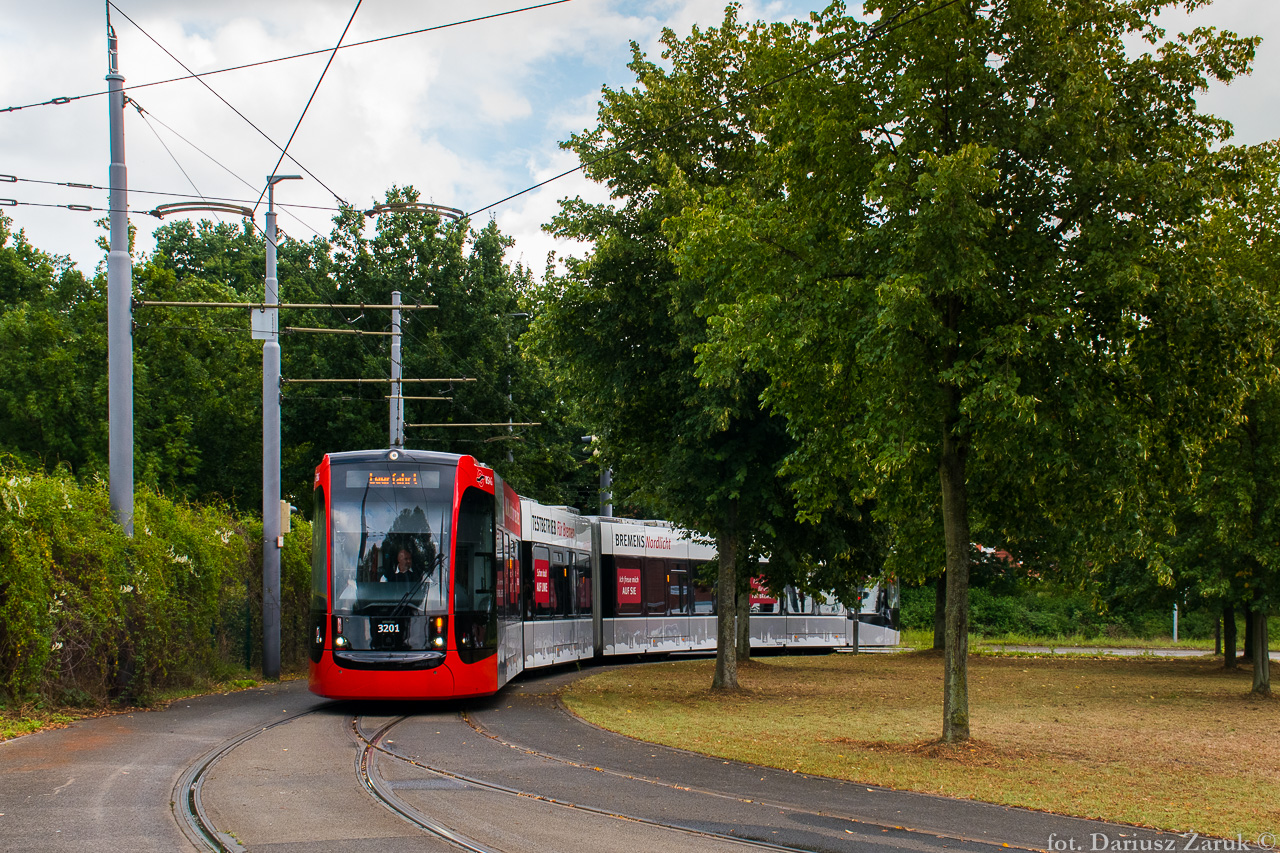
(679, 603)
(475, 616)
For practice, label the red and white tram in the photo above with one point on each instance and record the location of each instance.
(432, 579)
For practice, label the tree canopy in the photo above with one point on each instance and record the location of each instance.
(622, 329)
(958, 256)
(197, 372)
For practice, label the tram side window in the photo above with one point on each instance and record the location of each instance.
(798, 604)
(319, 554)
(704, 595)
(541, 581)
(319, 577)
(513, 577)
(827, 605)
(678, 589)
(500, 575)
(630, 594)
(582, 583)
(655, 587)
(561, 594)
(704, 600)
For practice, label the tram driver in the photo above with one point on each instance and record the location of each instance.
(403, 569)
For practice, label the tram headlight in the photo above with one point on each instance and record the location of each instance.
(438, 627)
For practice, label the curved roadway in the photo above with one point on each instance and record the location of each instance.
(276, 769)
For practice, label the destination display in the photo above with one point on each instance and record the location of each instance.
(410, 479)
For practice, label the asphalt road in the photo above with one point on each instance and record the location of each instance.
(514, 773)
(105, 784)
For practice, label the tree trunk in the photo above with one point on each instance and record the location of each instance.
(940, 612)
(1261, 652)
(857, 625)
(1247, 653)
(726, 677)
(1229, 637)
(743, 622)
(955, 524)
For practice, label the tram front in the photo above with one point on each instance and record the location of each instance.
(381, 575)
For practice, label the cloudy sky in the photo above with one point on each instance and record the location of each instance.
(467, 114)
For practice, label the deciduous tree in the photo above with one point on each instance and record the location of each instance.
(959, 255)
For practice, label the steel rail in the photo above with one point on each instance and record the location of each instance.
(481, 730)
(186, 801)
(367, 767)
(367, 771)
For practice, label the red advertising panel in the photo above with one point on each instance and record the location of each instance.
(628, 586)
(541, 581)
(511, 510)
(760, 595)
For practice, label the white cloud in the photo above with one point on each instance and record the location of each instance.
(468, 115)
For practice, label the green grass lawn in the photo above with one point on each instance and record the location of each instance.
(1171, 743)
(922, 639)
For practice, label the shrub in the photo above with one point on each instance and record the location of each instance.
(88, 614)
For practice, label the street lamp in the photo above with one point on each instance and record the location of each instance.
(272, 535)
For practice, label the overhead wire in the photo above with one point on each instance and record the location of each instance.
(512, 408)
(621, 148)
(614, 150)
(191, 75)
(285, 149)
(169, 194)
(142, 113)
(226, 169)
(229, 105)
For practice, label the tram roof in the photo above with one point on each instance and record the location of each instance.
(384, 455)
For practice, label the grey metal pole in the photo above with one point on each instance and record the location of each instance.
(397, 371)
(271, 458)
(606, 492)
(272, 538)
(119, 309)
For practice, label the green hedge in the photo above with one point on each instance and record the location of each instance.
(1044, 609)
(88, 615)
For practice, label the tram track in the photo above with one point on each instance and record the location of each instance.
(781, 807)
(484, 803)
(187, 801)
(373, 748)
(382, 791)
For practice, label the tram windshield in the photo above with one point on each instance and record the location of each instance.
(391, 530)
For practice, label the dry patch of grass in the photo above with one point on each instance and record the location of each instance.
(1175, 744)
